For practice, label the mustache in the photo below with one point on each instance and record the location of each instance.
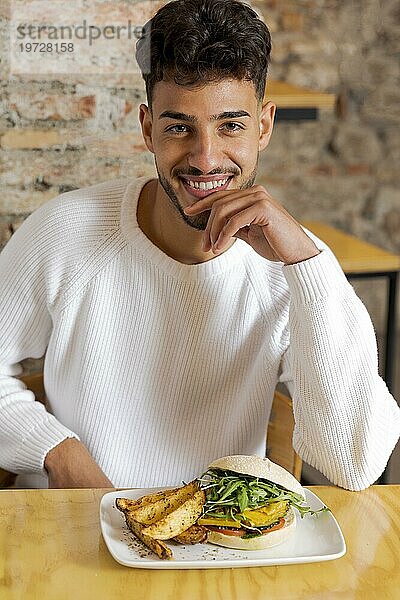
(197, 173)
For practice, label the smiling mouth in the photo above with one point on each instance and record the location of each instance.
(201, 189)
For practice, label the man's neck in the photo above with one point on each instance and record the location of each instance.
(165, 228)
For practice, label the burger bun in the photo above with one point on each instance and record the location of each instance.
(263, 468)
(268, 540)
(257, 466)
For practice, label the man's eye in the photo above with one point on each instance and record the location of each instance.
(177, 129)
(233, 126)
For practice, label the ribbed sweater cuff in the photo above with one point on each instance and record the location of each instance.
(356, 477)
(32, 452)
(314, 278)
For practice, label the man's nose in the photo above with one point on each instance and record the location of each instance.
(205, 152)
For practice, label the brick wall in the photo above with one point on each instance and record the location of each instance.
(63, 131)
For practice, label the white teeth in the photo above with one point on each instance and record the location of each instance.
(206, 185)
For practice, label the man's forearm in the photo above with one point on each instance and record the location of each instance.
(347, 423)
(70, 465)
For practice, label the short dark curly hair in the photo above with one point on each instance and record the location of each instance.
(194, 42)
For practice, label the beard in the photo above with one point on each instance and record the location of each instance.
(200, 221)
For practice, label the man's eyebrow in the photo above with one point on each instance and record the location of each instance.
(229, 114)
(170, 114)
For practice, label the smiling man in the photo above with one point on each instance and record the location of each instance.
(203, 158)
(168, 308)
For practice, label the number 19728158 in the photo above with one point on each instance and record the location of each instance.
(47, 47)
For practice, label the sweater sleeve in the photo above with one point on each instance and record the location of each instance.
(28, 285)
(346, 421)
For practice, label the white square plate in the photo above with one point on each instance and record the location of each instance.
(316, 538)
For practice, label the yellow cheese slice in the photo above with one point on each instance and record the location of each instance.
(266, 514)
(258, 517)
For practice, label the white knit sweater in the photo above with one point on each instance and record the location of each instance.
(160, 367)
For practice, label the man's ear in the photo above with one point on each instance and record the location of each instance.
(146, 122)
(267, 117)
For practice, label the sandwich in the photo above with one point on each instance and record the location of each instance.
(250, 503)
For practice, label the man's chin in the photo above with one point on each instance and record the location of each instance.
(198, 222)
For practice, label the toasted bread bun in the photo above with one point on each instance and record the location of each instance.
(259, 467)
(268, 540)
(265, 469)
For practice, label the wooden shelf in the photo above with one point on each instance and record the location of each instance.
(296, 103)
(354, 255)
(285, 95)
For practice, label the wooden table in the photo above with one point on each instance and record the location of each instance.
(51, 548)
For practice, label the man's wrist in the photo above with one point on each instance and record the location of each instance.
(70, 465)
(304, 257)
(57, 455)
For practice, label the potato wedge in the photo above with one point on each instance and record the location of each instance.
(128, 504)
(196, 534)
(157, 546)
(178, 520)
(148, 514)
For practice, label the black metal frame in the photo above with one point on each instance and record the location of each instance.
(296, 114)
(390, 342)
(392, 277)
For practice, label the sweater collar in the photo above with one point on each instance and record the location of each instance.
(132, 232)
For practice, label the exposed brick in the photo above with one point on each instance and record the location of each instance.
(52, 106)
(5, 11)
(102, 80)
(137, 12)
(42, 170)
(111, 110)
(19, 202)
(30, 138)
(123, 145)
(292, 21)
(104, 43)
(342, 105)
(6, 232)
(329, 170)
(357, 143)
(392, 227)
(357, 169)
(21, 168)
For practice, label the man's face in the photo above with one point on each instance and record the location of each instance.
(205, 139)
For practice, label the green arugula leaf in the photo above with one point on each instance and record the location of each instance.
(228, 494)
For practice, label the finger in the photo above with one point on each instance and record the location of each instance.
(238, 221)
(221, 212)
